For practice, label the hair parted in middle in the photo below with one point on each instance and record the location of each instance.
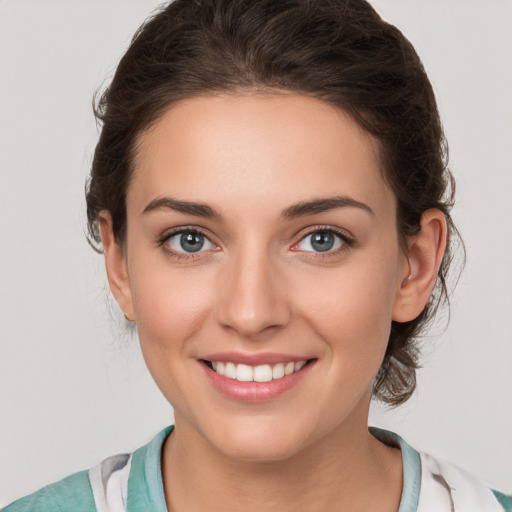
(339, 51)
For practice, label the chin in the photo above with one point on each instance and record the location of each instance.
(258, 441)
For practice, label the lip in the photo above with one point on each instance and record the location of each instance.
(254, 391)
(254, 359)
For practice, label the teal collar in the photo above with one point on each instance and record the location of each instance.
(411, 468)
(145, 485)
(146, 490)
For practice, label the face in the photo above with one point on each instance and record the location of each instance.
(262, 269)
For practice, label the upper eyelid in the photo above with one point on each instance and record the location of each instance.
(343, 233)
(184, 229)
(178, 254)
(345, 236)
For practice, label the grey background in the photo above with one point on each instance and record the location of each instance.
(73, 386)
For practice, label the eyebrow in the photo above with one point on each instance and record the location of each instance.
(187, 207)
(304, 208)
(300, 209)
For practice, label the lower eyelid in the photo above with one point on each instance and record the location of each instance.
(342, 237)
(166, 236)
(169, 236)
(345, 240)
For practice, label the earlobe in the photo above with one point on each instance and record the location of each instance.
(115, 264)
(424, 256)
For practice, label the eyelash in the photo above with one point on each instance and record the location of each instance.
(347, 242)
(175, 255)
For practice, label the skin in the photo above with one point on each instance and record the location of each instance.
(258, 285)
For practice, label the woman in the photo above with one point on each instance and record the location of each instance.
(271, 194)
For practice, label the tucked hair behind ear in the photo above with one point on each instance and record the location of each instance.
(339, 51)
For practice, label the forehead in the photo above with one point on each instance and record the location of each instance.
(256, 150)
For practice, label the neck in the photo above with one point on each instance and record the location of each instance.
(347, 470)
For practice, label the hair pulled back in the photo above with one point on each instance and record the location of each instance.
(339, 51)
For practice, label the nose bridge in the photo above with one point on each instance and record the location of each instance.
(251, 297)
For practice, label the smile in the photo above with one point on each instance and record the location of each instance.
(255, 377)
(261, 373)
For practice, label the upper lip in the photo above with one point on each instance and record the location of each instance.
(253, 359)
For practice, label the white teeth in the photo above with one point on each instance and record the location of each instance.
(244, 373)
(230, 370)
(289, 368)
(260, 373)
(278, 371)
(263, 373)
(299, 365)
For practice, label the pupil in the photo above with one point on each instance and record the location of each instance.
(191, 242)
(322, 241)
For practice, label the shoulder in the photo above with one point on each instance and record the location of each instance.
(73, 493)
(445, 483)
(126, 481)
(432, 485)
(103, 488)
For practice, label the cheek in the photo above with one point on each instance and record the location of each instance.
(351, 309)
(169, 306)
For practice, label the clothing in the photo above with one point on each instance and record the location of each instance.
(133, 483)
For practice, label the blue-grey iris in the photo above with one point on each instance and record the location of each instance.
(322, 241)
(191, 242)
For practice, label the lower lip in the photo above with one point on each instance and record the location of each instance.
(255, 391)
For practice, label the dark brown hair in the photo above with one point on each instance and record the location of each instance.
(339, 51)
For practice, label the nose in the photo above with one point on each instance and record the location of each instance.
(252, 295)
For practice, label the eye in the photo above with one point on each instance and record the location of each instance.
(188, 241)
(324, 241)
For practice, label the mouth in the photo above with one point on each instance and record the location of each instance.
(255, 377)
(266, 372)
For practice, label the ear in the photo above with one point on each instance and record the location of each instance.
(424, 256)
(115, 263)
